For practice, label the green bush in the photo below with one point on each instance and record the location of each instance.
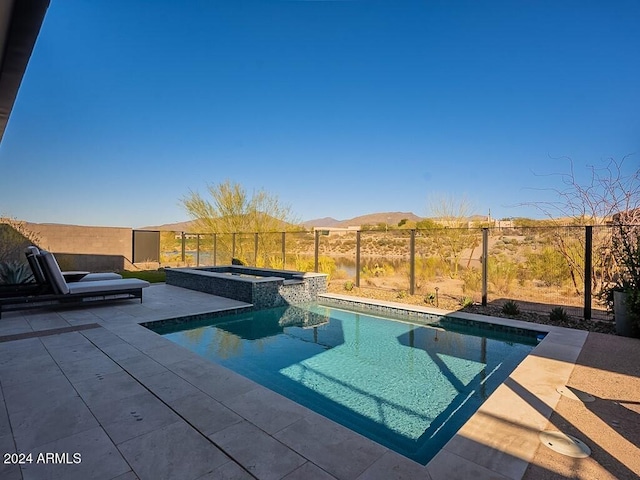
(430, 299)
(502, 272)
(348, 286)
(549, 266)
(511, 308)
(558, 314)
(472, 278)
(466, 302)
(15, 272)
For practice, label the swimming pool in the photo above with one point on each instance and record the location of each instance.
(407, 386)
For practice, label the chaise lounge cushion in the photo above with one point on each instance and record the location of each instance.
(51, 266)
(32, 254)
(107, 285)
(98, 286)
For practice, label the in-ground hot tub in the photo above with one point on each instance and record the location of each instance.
(264, 288)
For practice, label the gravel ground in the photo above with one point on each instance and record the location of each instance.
(599, 326)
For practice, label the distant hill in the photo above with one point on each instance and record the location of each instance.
(321, 222)
(391, 218)
(188, 226)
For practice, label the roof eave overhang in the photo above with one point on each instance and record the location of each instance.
(20, 22)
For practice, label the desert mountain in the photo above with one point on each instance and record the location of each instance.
(390, 218)
(321, 222)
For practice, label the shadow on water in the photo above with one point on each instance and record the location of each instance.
(282, 349)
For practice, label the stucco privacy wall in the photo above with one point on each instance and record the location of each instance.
(92, 249)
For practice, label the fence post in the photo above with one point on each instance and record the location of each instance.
(588, 252)
(255, 249)
(316, 249)
(197, 250)
(215, 249)
(358, 258)
(284, 251)
(183, 246)
(485, 262)
(412, 263)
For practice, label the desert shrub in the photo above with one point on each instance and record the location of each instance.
(510, 308)
(402, 294)
(428, 268)
(348, 286)
(549, 266)
(472, 278)
(430, 299)
(502, 272)
(558, 314)
(466, 302)
(15, 272)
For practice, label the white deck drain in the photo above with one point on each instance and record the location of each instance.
(565, 444)
(575, 394)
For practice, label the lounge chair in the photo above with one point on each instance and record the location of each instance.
(33, 253)
(72, 292)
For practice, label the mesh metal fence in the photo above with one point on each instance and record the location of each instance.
(539, 267)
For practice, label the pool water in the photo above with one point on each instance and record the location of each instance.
(409, 387)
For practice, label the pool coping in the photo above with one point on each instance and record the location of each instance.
(498, 441)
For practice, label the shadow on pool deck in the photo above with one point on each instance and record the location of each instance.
(136, 406)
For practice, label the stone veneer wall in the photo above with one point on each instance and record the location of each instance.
(281, 287)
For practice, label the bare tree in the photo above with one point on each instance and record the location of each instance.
(452, 217)
(607, 192)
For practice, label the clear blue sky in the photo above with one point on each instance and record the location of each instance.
(340, 108)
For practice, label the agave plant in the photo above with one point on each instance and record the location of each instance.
(15, 272)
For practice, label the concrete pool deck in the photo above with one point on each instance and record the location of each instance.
(92, 381)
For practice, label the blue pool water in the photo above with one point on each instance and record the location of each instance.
(409, 387)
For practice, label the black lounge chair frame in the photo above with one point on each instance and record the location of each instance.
(8, 304)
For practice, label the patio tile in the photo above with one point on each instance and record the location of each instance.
(69, 354)
(393, 466)
(223, 384)
(192, 368)
(99, 458)
(203, 412)
(101, 337)
(47, 322)
(120, 351)
(49, 422)
(259, 453)
(309, 471)
(111, 386)
(168, 354)
(127, 476)
(141, 366)
(168, 386)
(37, 393)
(506, 451)
(131, 416)
(447, 466)
(172, 452)
(266, 409)
(10, 471)
(334, 448)
(89, 368)
(64, 340)
(229, 471)
(39, 369)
